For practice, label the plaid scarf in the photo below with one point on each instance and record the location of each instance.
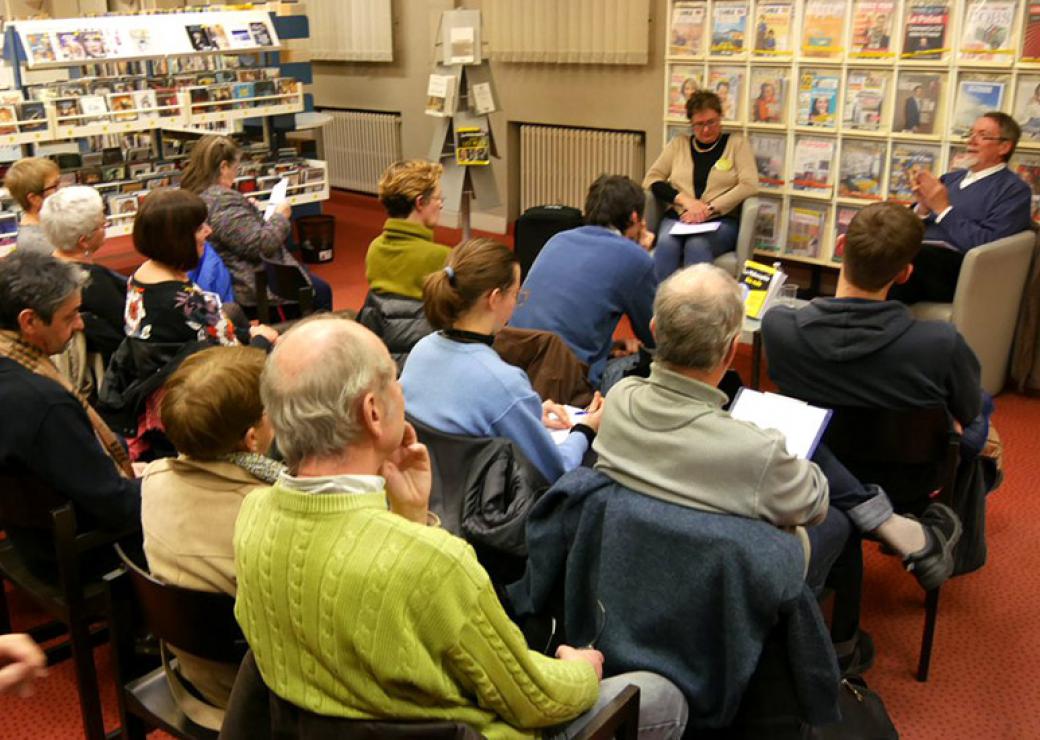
(13, 347)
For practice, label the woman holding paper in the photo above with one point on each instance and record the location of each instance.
(469, 301)
(704, 177)
(241, 235)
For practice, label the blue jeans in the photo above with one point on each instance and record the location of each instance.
(662, 707)
(675, 252)
(322, 292)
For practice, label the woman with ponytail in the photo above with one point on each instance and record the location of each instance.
(455, 382)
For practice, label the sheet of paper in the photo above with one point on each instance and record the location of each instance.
(681, 229)
(560, 435)
(801, 424)
(278, 195)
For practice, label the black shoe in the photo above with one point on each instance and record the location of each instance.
(933, 564)
(861, 658)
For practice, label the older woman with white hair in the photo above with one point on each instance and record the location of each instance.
(73, 219)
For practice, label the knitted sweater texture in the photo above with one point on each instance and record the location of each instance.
(353, 611)
(400, 258)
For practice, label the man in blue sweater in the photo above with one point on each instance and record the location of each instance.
(585, 279)
(967, 208)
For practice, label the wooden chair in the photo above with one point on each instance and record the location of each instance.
(287, 282)
(73, 602)
(257, 713)
(912, 454)
(198, 622)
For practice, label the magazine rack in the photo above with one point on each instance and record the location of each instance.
(839, 98)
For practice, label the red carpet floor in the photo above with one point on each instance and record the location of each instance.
(986, 647)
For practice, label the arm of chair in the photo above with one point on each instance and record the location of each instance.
(618, 719)
(653, 212)
(748, 214)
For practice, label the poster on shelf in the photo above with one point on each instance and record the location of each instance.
(906, 161)
(728, 84)
(770, 151)
(861, 173)
(817, 98)
(773, 22)
(864, 99)
(918, 102)
(813, 163)
(805, 230)
(1027, 107)
(925, 25)
(766, 236)
(683, 81)
(769, 91)
(1031, 33)
(872, 29)
(986, 34)
(686, 34)
(822, 27)
(729, 28)
(975, 97)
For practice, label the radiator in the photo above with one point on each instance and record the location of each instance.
(557, 165)
(359, 146)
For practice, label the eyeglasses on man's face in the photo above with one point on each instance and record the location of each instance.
(983, 136)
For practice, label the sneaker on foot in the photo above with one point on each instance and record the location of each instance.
(933, 564)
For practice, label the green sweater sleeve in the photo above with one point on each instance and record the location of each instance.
(524, 688)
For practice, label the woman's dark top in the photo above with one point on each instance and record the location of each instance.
(176, 312)
(104, 297)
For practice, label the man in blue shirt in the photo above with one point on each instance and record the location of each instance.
(585, 279)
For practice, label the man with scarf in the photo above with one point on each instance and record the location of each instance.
(49, 433)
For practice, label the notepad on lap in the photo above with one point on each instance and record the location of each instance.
(681, 229)
(559, 436)
(801, 424)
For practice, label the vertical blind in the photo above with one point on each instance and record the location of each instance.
(568, 31)
(349, 30)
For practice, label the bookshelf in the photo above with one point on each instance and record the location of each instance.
(842, 80)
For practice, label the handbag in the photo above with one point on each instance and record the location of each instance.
(863, 715)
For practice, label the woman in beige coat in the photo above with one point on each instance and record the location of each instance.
(704, 177)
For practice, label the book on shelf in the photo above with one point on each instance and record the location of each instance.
(822, 25)
(70, 48)
(199, 97)
(770, 152)
(1031, 33)
(1027, 166)
(864, 99)
(122, 106)
(10, 97)
(773, 22)
(769, 91)
(906, 161)
(766, 234)
(872, 29)
(918, 102)
(925, 24)
(686, 34)
(683, 81)
(66, 112)
(801, 424)
(728, 84)
(817, 98)
(168, 103)
(8, 118)
(862, 168)
(265, 89)
(729, 28)
(805, 230)
(1027, 107)
(147, 103)
(472, 146)
(986, 31)
(440, 95)
(842, 218)
(94, 109)
(975, 97)
(813, 160)
(40, 48)
(221, 95)
(33, 117)
(241, 91)
(760, 284)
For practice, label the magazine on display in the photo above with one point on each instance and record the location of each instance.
(813, 163)
(683, 81)
(906, 161)
(817, 98)
(805, 230)
(686, 35)
(1031, 33)
(773, 21)
(986, 34)
(842, 218)
(766, 236)
(872, 22)
(768, 95)
(926, 24)
(728, 28)
(918, 102)
(822, 26)
(1027, 107)
(1027, 166)
(728, 84)
(862, 169)
(864, 99)
(975, 97)
(770, 152)
(440, 95)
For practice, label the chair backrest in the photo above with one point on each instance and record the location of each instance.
(285, 281)
(26, 501)
(911, 453)
(199, 622)
(398, 320)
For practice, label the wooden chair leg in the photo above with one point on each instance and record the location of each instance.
(931, 613)
(86, 680)
(5, 615)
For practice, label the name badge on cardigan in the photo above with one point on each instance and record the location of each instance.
(723, 164)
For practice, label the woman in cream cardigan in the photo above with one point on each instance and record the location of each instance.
(705, 177)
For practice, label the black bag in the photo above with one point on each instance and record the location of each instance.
(536, 226)
(863, 715)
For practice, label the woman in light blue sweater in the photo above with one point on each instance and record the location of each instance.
(455, 382)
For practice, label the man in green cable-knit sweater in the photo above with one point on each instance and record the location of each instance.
(354, 602)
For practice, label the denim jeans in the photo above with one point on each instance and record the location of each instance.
(675, 252)
(662, 707)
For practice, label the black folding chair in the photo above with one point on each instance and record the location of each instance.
(286, 281)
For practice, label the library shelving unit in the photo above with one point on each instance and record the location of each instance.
(839, 98)
(67, 47)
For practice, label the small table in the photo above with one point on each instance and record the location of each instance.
(751, 333)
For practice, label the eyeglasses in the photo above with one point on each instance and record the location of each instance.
(50, 188)
(706, 124)
(982, 136)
